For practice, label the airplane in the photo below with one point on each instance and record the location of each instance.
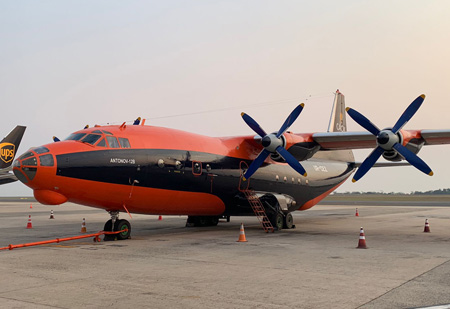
(153, 170)
(8, 150)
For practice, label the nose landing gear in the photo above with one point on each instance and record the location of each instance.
(119, 225)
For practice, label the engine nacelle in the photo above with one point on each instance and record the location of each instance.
(392, 156)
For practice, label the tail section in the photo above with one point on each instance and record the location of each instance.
(9, 146)
(338, 121)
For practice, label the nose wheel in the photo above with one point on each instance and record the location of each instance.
(119, 225)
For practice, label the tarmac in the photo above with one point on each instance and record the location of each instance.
(166, 265)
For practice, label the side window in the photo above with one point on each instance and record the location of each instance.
(112, 141)
(124, 143)
(196, 168)
(102, 143)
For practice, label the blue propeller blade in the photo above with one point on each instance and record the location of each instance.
(290, 119)
(368, 163)
(293, 162)
(413, 159)
(256, 164)
(55, 139)
(253, 124)
(363, 121)
(408, 113)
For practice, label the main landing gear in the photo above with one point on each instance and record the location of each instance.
(282, 221)
(119, 225)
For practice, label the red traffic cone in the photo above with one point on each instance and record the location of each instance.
(357, 213)
(31, 206)
(160, 218)
(29, 224)
(51, 215)
(427, 227)
(242, 234)
(362, 240)
(83, 226)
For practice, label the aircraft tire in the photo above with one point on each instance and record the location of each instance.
(120, 225)
(288, 221)
(278, 221)
(108, 228)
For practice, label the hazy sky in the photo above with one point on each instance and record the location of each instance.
(65, 64)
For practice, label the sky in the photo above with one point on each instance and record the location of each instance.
(196, 65)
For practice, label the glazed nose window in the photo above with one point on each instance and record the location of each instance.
(46, 160)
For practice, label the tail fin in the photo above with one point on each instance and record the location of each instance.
(9, 145)
(338, 121)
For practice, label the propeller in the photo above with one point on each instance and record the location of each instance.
(389, 140)
(273, 143)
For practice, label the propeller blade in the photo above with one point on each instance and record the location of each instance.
(368, 163)
(408, 113)
(363, 121)
(413, 159)
(290, 119)
(256, 164)
(253, 124)
(55, 139)
(293, 162)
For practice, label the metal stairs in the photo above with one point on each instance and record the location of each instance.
(258, 209)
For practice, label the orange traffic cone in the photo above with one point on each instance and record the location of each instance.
(362, 240)
(160, 218)
(31, 206)
(357, 213)
(29, 224)
(427, 227)
(83, 226)
(242, 234)
(51, 215)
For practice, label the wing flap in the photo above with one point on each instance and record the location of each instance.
(344, 140)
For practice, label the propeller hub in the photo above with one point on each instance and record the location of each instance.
(386, 139)
(270, 142)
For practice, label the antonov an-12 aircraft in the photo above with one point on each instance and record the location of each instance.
(160, 171)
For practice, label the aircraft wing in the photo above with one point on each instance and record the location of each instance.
(360, 140)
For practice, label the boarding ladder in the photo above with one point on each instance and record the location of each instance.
(258, 209)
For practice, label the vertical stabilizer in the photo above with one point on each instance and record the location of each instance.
(9, 145)
(338, 122)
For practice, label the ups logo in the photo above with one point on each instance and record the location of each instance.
(7, 151)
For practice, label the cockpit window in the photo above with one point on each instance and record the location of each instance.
(124, 143)
(102, 143)
(46, 160)
(91, 138)
(107, 132)
(112, 141)
(97, 131)
(41, 150)
(75, 136)
(26, 155)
